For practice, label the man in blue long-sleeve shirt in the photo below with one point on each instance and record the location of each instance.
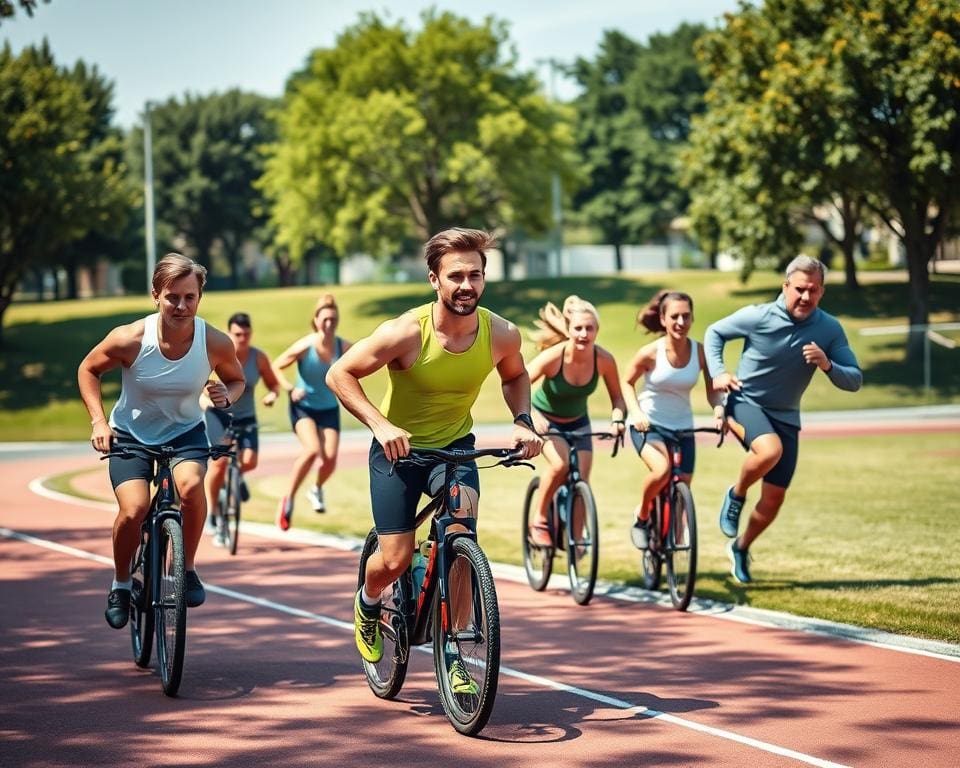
(784, 343)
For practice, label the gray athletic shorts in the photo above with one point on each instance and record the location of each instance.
(188, 446)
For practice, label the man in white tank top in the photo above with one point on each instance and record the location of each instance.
(165, 362)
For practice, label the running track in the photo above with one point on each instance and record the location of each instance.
(272, 677)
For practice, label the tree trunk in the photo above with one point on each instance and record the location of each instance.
(4, 303)
(918, 257)
(72, 289)
(617, 257)
(284, 269)
(849, 247)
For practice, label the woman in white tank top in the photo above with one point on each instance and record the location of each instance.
(670, 366)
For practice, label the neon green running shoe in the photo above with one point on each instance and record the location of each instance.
(367, 631)
(460, 680)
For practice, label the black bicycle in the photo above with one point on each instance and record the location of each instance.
(455, 606)
(231, 496)
(672, 535)
(572, 524)
(157, 596)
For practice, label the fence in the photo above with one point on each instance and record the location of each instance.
(931, 335)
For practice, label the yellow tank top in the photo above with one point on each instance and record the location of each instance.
(432, 399)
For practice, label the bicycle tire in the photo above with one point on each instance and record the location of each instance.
(141, 614)
(230, 510)
(171, 611)
(478, 644)
(583, 544)
(386, 677)
(681, 550)
(651, 562)
(537, 560)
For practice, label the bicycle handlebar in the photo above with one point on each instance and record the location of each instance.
(677, 433)
(165, 452)
(509, 457)
(571, 437)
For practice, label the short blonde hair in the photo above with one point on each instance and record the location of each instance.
(554, 323)
(175, 266)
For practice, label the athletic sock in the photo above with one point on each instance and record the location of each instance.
(127, 585)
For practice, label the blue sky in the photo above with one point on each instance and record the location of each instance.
(154, 49)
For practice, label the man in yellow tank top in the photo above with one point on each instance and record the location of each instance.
(437, 357)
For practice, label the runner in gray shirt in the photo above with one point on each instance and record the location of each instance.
(784, 342)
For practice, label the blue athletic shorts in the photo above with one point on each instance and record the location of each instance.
(328, 418)
(688, 447)
(394, 497)
(582, 424)
(756, 422)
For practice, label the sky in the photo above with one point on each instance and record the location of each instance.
(156, 49)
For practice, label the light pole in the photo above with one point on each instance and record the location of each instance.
(148, 226)
(556, 197)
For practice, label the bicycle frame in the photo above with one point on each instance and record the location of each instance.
(164, 505)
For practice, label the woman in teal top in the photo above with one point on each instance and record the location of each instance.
(571, 365)
(314, 409)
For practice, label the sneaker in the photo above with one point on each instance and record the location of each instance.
(730, 513)
(284, 513)
(460, 680)
(193, 589)
(212, 518)
(315, 497)
(118, 608)
(367, 632)
(244, 491)
(640, 533)
(219, 539)
(740, 559)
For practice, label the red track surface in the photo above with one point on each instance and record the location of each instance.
(272, 676)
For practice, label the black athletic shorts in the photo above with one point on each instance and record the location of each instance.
(756, 422)
(327, 418)
(191, 446)
(582, 424)
(217, 422)
(394, 498)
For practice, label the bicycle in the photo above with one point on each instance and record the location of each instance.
(157, 600)
(231, 497)
(580, 539)
(672, 535)
(413, 614)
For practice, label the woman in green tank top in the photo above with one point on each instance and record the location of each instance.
(571, 365)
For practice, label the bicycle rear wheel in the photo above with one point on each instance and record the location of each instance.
(141, 613)
(171, 612)
(537, 560)
(681, 548)
(583, 544)
(386, 677)
(466, 639)
(230, 509)
(651, 562)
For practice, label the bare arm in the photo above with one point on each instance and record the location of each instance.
(120, 347)
(515, 383)
(269, 378)
(287, 358)
(714, 396)
(608, 370)
(641, 364)
(545, 364)
(388, 344)
(223, 360)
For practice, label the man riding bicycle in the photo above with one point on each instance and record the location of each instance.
(165, 360)
(437, 357)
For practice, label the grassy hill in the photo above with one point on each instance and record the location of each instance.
(46, 341)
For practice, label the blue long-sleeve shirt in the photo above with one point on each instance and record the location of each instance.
(772, 370)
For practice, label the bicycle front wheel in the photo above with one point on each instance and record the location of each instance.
(466, 639)
(230, 510)
(537, 560)
(583, 545)
(386, 677)
(681, 549)
(171, 611)
(141, 614)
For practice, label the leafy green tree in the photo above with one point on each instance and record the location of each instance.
(56, 184)
(395, 134)
(8, 8)
(634, 117)
(206, 157)
(852, 104)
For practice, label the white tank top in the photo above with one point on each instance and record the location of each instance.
(666, 393)
(160, 398)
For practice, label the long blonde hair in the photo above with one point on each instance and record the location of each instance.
(554, 323)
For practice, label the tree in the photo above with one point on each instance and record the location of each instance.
(395, 134)
(853, 104)
(8, 8)
(49, 171)
(634, 116)
(206, 158)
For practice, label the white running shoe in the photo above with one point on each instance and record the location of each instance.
(315, 497)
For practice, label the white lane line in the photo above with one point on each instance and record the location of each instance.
(742, 614)
(537, 680)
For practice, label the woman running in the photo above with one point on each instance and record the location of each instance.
(670, 366)
(571, 364)
(314, 409)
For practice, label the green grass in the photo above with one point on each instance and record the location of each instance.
(868, 534)
(46, 341)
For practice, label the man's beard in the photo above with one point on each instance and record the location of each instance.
(462, 309)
